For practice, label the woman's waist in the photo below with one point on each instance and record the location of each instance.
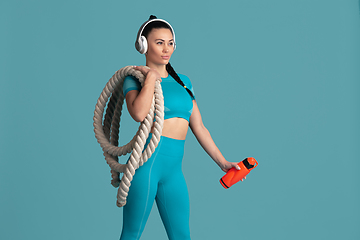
(175, 128)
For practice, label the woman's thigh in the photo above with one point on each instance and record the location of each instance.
(172, 199)
(140, 199)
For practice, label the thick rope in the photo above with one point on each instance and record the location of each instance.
(107, 130)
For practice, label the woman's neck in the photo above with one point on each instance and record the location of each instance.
(160, 68)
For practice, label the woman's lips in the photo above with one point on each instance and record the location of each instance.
(165, 57)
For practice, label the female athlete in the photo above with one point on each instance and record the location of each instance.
(161, 178)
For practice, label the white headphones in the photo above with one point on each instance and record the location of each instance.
(141, 43)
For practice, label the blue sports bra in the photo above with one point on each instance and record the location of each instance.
(177, 101)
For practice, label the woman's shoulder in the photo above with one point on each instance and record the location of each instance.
(130, 83)
(182, 75)
(186, 81)
(184, 78)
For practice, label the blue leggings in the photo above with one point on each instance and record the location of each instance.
(160, 178)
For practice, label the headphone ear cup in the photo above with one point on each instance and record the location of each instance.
(143, 45)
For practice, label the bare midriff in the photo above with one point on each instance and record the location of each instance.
(175, 128)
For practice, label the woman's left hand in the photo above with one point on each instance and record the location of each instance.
(228, 165)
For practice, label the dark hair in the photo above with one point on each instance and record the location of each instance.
(172, 73)
(154, 24)
(169, 68)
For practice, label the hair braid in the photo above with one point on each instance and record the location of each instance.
(172, 73)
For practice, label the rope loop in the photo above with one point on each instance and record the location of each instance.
(107, 127)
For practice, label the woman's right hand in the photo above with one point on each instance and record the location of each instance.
(151, 75)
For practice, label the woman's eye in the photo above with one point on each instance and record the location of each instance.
(171, 44)
(159, 43)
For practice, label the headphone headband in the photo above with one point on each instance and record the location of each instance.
(141, 42)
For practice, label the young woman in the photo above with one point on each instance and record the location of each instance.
(161, 178)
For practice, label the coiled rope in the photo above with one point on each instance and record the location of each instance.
(107, 131)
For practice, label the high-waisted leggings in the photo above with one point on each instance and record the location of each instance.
(160, 179)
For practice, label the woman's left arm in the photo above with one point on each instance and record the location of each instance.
(204, 138)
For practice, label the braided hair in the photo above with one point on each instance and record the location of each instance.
(172, 73)
(169, 68)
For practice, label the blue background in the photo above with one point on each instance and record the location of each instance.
(277, 80)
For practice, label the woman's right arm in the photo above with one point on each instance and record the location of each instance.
(139, 102)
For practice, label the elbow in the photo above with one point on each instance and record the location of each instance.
(138, 117)
(138, 112)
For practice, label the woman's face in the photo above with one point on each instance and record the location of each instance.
(160, 46)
